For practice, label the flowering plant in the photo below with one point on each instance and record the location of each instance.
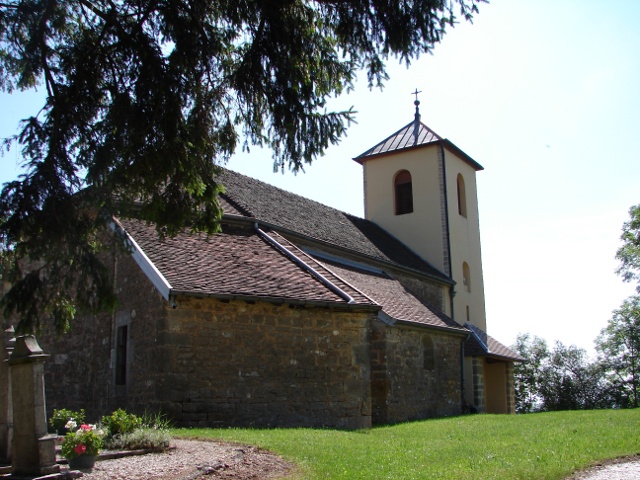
(85, 440)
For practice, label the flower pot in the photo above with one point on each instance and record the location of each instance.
(82, 462)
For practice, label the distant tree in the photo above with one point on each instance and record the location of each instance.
(146, 98)
(570, 381)
(528, 374)
(629, 252)
(619, 347)
(561, 378)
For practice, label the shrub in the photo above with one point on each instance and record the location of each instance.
(60, 418)
(120, 422)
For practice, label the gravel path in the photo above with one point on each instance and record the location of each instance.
(621, 469)
(193, 459)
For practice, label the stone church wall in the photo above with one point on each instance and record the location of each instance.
(237, 363)
(80, 372)
(210, 362)
(415, 374)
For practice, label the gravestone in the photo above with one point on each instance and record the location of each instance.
(33, 450)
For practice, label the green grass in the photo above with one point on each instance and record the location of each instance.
(479, 447)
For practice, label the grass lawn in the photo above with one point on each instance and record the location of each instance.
(475, 447)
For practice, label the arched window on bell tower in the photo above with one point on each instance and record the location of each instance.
(462, 197)
(403, 192)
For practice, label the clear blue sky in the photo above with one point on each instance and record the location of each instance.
(545, 95)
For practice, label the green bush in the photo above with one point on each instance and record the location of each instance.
(61, 417)
(120, 422)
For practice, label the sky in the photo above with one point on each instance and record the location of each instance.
(546, 96)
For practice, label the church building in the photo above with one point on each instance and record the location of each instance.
(298, 314)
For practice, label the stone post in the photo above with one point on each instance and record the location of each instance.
(33, 451)
(6, 414)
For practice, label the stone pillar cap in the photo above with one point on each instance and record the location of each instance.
(26, 350)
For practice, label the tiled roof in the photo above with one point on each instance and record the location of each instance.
(414, 134)
(234, 263)
(356, 295)
(397, 302)
(317, 221)
(244, 263)
(484, 345)
(250, 263)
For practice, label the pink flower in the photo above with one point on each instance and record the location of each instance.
(79, 449)
(85, 427)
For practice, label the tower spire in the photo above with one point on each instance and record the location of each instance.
(416, 123)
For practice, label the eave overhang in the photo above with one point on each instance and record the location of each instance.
(445, 143)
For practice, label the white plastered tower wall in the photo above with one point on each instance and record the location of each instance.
(464, 237)
(423, 234)
(435, 229)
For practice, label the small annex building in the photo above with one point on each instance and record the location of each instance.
(298, 314)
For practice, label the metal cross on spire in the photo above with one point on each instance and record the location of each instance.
(416, 94)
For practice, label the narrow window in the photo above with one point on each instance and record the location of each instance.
(462, 197)
(466, 276)
(403, 192)
(121, 355)
(428, 353)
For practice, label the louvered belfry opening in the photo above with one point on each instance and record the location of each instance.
(403, 192)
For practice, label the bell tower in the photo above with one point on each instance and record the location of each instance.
(421, 188)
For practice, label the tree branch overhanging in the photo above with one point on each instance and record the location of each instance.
(147, 99)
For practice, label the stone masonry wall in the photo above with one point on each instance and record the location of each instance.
(478, 384)
(511, 400)
(238, 363)
(214, 363)
(80, 370)
(415, 374)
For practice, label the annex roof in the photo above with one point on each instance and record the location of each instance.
(480, 344)
(398, 303)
